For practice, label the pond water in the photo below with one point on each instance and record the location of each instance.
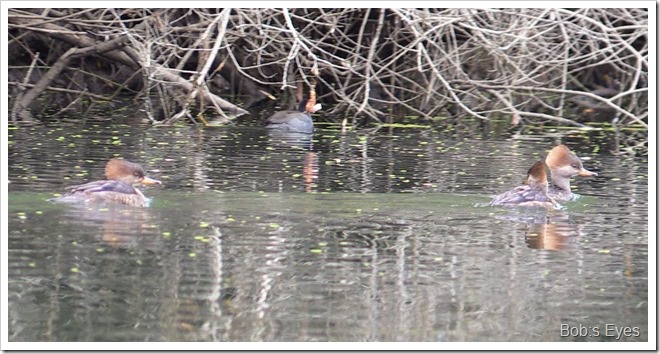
(368, 236)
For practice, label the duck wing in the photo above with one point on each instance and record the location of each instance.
(102, 186)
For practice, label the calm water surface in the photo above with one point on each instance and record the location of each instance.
(356, 237)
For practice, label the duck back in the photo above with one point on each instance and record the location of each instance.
(293, 121)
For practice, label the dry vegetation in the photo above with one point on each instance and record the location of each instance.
(533, 65)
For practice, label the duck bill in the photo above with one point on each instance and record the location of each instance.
(586, 173)
(150, 181)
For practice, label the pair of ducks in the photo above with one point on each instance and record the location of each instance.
(122, 174)
(563, 163)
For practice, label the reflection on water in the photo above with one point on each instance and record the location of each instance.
(547, 229)
(555, 234)
(118, 225)
(290, 139)
(347, 238)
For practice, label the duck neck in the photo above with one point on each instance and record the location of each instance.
(563, 184)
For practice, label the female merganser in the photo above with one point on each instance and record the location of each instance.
(534, 194)
(121, 175)
(564, 164)
(299, 121)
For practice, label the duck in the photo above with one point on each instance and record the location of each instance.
(533, 194)
(299, 121)
(563, 165)
(118, 188)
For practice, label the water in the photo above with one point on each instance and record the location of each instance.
(355, 237)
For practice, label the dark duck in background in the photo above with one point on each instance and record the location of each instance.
(299, 121)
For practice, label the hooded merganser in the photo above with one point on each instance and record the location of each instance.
(121, 175)
(299, 121)
(564, 164)
(535, 193)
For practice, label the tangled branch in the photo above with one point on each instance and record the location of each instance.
(538, 65)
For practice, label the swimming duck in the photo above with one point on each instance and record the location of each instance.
(534, 194)
(118, 188)
(299, 121)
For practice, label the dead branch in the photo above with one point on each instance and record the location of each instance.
(539, 64)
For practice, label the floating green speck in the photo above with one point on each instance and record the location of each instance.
(75, 270)
(192, 254)
(201, 238)
(204, 224)
(274, 226)
(316, 251)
